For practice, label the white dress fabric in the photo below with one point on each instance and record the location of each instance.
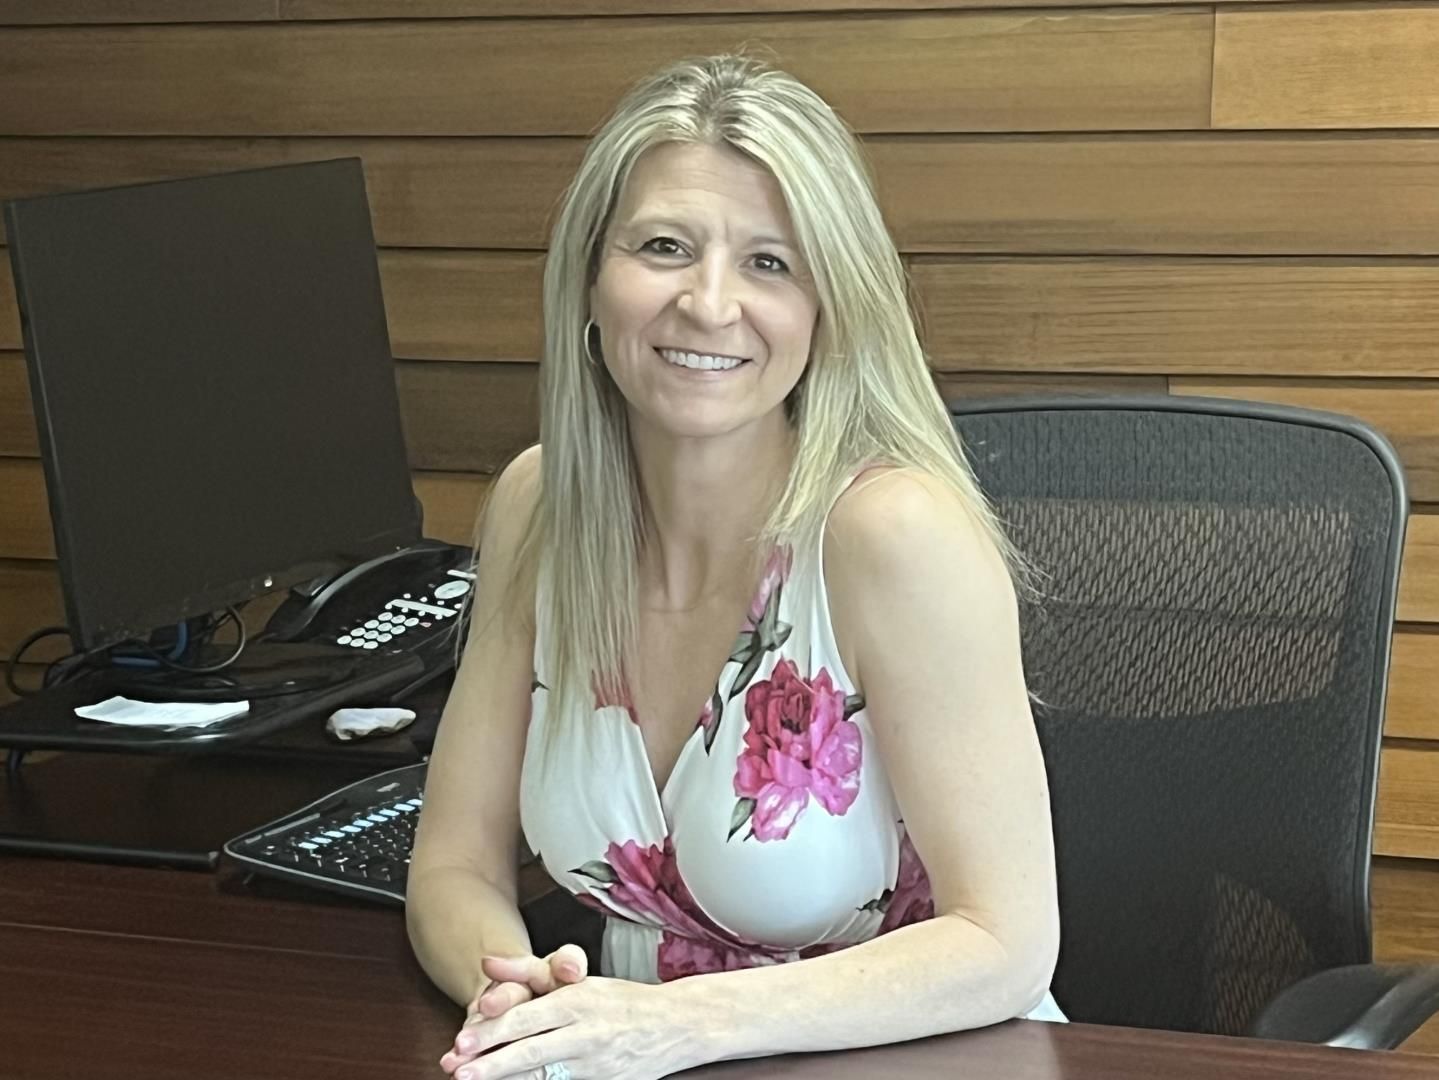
(777, 836)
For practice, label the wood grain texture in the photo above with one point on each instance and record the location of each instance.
(1111, 69)
(956, 386)
(423, 192)
(1407, 816)
(1412, 706)
(1182, 316)
(446, 9)
(32, 600)
(1405, 900)
(1419, 578)
(1131, 316)
(17, 417)
(468, 417)
(1405, 411)
(69, 12)
(464, 417)
(25, 525)
(1368, 65)
(1170, 193)
(463, 305)
(291, 1015)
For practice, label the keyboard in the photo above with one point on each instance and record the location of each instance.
(356, 840)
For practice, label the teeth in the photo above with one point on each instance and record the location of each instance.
(699, 361)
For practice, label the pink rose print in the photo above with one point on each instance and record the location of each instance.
(912, 900)
(776, 571)
(799, 743)
(647, 881)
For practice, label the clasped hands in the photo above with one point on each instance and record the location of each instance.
(541, 1011)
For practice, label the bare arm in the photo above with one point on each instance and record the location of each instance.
(928, 611)
(461, 902)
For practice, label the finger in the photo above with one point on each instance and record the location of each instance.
(527, 1058)
(530, 970)
(569, 963)
(530, 1019)
(500, 998)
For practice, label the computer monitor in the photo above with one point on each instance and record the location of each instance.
(213, 387)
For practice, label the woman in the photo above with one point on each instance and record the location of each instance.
(836, 821)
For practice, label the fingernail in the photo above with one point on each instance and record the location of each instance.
(569, 971)
(465, 1045)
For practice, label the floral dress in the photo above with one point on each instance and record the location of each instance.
(777, 836)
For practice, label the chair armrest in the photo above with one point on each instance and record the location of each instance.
(1366, 1006)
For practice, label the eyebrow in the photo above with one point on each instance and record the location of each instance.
(762, 239)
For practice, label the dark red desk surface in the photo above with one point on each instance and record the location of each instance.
(119, 972)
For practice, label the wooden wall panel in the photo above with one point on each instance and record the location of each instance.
(1182, 317)
(1109, 69)
(9, 313)
(17, 420)
(65, 12)
(1327, 66)
(1406, 411)
(1408, 811)
(1419, 582)
(451, 502)
(463, 305)
(1207, 194)
(1412, 707)
(25, 525)
(1220, 194)
(468, 417)
(415, 9)
(32, 600)
(429, 192)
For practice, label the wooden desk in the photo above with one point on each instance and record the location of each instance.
(123, 972)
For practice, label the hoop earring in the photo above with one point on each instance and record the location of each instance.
(592, 330)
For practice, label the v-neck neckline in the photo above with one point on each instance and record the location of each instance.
(746, 628)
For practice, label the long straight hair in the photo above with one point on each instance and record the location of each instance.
(866, 396)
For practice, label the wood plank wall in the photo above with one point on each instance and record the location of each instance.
(1232, 199)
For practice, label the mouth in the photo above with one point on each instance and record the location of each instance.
(702, 363)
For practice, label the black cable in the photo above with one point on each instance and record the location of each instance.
(14, 662)
(165, 662)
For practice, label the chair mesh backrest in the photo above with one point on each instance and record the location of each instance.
(1210, 648)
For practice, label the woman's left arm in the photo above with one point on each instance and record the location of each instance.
(926, 615)
(927, 618)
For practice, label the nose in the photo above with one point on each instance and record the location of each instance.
(711, 295)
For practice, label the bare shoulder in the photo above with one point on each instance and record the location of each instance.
(902, 523)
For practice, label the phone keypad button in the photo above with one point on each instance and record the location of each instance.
(412, 622)
(343, 639)
(384, 637)
(372, 623)
(371, 645)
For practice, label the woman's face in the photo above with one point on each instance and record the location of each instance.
(704, 305)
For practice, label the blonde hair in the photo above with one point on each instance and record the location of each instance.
(866, 396)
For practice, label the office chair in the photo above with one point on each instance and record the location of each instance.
(1210, 645)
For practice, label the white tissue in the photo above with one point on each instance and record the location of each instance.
(347, 724)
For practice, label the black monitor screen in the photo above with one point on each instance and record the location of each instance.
(213, 388)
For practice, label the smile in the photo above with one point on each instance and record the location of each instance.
(700, 361)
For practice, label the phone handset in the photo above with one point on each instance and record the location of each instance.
(308, 601)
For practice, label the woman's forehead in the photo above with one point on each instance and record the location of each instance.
(678, 179)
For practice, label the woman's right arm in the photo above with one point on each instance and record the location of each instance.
(461, 902)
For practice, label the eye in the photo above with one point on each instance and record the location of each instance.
(663, 245)
(771, 264)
